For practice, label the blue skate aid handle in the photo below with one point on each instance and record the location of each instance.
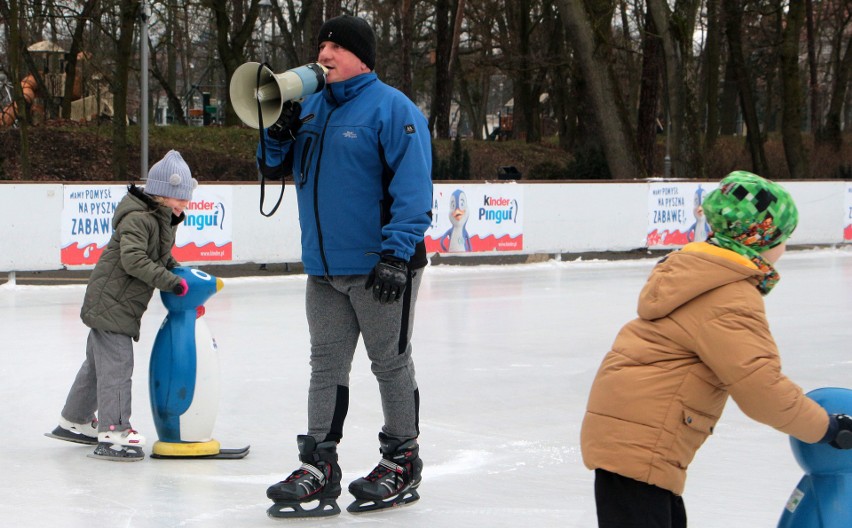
(823, 496)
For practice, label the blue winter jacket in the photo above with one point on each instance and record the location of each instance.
(362, 169)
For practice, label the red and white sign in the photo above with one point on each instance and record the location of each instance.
(87, 214)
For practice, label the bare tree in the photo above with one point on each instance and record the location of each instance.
(234, 28)
(676, 29)
(841, 66)
(792, 93)
(733, 32)
(649, 95)
(80, 22)
(831, 131)
(167, 81)
(712, 65)
(128, 17)
(13, 12)
(445, 43)
(406, 43)
(813, 82)
(620, 147)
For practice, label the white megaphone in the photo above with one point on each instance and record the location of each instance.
(254, 87)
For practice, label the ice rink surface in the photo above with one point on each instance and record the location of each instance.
(505, 356)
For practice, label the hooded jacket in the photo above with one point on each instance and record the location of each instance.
(701, 336)
(362, 166)
(136, 260)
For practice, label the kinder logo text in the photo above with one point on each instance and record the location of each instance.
(203, 213)
(497, 209)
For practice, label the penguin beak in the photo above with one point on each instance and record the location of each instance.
(219, 284)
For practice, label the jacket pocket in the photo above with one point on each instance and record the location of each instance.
(699, 422)
(692, 431)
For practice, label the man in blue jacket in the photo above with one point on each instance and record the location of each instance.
(360, 155)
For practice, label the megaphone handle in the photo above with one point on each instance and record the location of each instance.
(263, 195)
(263, 179)
(263, 155)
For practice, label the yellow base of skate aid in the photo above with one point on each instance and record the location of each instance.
(186, 449)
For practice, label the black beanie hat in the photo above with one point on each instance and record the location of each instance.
(354, 34)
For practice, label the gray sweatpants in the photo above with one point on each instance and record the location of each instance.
(103, 383)
(339, 310)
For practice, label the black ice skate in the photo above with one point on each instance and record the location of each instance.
(316, 484)
(393, 482)
(121, 446)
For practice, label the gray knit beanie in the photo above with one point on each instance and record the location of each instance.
(171, 178)
(354, 34)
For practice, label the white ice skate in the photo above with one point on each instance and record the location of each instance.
(79, 433)
(122, 446)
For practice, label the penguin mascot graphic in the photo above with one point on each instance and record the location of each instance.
(698, 231)
(184, 375)
(457, 235)
(823, 498)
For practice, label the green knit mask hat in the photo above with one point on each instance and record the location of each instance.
(749, 214)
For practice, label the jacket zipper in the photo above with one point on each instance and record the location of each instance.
(316, 193)
(303, 175)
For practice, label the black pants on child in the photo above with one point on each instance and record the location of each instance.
(627, 503)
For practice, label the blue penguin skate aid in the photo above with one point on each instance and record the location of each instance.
(184, 375)
(823, 498)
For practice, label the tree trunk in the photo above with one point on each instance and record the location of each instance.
(831, 131)
(12, 11)
(232, 47)
(562, 92)
(71, 58)
(680, 87)
(649, 94)
(620, 148)
(129, 13)
(729, 111)
(526, 100)
(167, 86)
(406, 35)
(439, 120)
(25, 58)
(816, 96)
(539, 68)
(791, 123)
(712, 64)
(172, 36)
(733, 30)
(772, 103)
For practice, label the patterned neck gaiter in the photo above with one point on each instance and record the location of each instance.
(748, 215)
(770, 274)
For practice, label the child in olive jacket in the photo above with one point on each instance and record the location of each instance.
(136, 260)
(701, 336)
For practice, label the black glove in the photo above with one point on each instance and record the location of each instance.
(388, 279)
(288, 124)
(843, 438)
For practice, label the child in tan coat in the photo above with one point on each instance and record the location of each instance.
(701, 336)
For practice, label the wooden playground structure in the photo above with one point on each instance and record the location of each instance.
(91, 98)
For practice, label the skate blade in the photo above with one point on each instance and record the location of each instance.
(75, 438)
(297, 510)
(368, 505)
(118, 458)
(128, 454)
